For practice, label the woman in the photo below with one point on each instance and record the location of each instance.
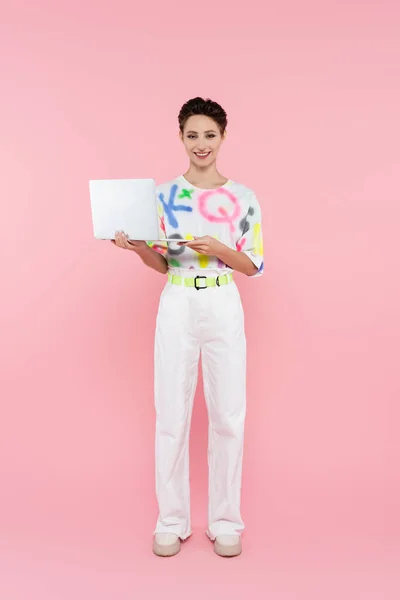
(217, 225)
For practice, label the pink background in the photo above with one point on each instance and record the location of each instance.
(92, 90)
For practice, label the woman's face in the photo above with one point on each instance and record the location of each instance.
(202, 140)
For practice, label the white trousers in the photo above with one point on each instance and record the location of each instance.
(189, 322)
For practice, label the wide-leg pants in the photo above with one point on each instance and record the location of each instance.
(191, 322)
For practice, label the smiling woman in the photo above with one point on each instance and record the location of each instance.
(202, 127)
(216, 223)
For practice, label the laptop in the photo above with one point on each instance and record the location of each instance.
(128, 205)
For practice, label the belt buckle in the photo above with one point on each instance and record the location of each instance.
(195, 282)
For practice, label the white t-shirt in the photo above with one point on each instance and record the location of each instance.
(231, 214)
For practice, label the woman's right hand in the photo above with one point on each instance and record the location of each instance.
(122, 241)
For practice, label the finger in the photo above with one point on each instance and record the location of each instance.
(193, 242)
(198, 243)
(118, 237)
(205, 239)
(200, 250)
(196, 246)
(123, 240)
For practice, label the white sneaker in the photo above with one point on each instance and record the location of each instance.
(228, 545)
(166, 544)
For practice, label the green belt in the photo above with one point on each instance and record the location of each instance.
(201, 282)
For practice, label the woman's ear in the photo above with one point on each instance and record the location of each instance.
(224, 135)
(181, 135)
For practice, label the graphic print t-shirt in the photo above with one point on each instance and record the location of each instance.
(231, 214)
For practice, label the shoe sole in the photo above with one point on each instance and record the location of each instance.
(166, 551)
(227, 551)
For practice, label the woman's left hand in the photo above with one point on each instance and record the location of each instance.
(204, 245)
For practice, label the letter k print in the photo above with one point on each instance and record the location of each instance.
(170, 207)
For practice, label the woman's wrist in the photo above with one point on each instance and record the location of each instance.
(223, 252)
(143, 250)
(238, 261)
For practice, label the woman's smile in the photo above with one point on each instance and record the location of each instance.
(202, 155)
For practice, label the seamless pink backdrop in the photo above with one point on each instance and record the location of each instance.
(92, 90)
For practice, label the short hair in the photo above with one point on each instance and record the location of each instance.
(206, 107)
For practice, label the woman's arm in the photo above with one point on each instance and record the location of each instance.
(151, 258)
(238, 261)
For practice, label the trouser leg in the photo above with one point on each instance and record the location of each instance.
(224, 371)
(176, 368)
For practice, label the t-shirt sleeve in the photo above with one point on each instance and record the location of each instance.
(251, 239)
(160, 247)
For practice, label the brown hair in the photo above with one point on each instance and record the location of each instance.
(206, 107)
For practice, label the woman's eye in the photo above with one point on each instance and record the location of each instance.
(212, 135)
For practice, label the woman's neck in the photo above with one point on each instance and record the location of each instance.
(206, 177)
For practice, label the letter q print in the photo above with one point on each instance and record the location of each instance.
(220, 215)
